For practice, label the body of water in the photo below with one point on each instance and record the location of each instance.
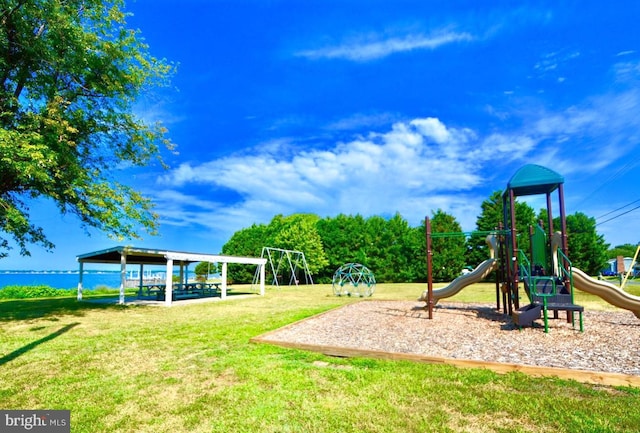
(67, 279)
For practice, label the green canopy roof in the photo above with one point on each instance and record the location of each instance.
(534, 179)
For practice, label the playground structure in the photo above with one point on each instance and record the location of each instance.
(540, 266)
(289, 262)
(353, 279)
(482, 271)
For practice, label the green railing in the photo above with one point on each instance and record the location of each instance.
(547, 292)
(525, 272)
(563, 271)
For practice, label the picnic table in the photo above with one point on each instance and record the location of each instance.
(180, 291)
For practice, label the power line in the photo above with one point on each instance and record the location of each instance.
(616, 210)
(631, 163)
(619, 215)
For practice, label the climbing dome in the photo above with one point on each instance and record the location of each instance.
(353, 279)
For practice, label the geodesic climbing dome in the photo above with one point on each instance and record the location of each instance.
(353, 279)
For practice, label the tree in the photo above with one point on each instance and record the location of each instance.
(587, 249)
(390, 249)
(298, 233)
(247, 242)
(374, 250)
(343, 241)
(416, 249)
(449, 250)
(399, 249)
(490, 218)
(624, 250)
(70, 72)
(295, 232)
(204, 269)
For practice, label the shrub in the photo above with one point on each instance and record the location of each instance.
(24, 292)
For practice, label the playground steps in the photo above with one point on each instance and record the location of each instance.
(557, 300)
(524, 316)
(548, 294)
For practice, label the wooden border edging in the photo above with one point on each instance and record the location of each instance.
(583, 376)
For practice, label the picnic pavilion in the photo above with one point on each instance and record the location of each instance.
(124, 255)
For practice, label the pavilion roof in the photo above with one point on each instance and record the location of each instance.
(148, 256)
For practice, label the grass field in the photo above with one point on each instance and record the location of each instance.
(191, 368)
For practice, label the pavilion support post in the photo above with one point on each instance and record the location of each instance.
(262, 278)
(123, 276)
(141, 280)
(168, 291)
(81, 272)
(223, 293)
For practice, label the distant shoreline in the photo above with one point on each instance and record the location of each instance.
(91, 279)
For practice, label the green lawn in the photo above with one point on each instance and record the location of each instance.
(192, 369)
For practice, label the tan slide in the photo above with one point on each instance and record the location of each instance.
(477, 275)
(607, 291)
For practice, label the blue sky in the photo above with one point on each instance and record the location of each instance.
(376, 107)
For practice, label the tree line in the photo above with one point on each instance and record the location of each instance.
(395, 251)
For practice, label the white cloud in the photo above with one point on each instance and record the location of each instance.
(432, 128)
(183, 210)
(411, 168)
(627, 72)
(361, 120)
(376, 49)
(554, 63)
(604, 128)
(152, 112)
(414, 167)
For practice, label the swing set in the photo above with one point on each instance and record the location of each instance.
(286, 263)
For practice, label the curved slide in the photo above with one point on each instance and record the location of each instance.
(478, 274)
(607, 291)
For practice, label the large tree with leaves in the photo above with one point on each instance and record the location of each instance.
(448, 246)
(392, 249)
(298, 232)
(388, 247)
(343, 240)
(295, 232)
(490, 219)
(246, 242)
(70, 72)
(624, 250)
(587, 248)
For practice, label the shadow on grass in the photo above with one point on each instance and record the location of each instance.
(25, 309)
(24, 349)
